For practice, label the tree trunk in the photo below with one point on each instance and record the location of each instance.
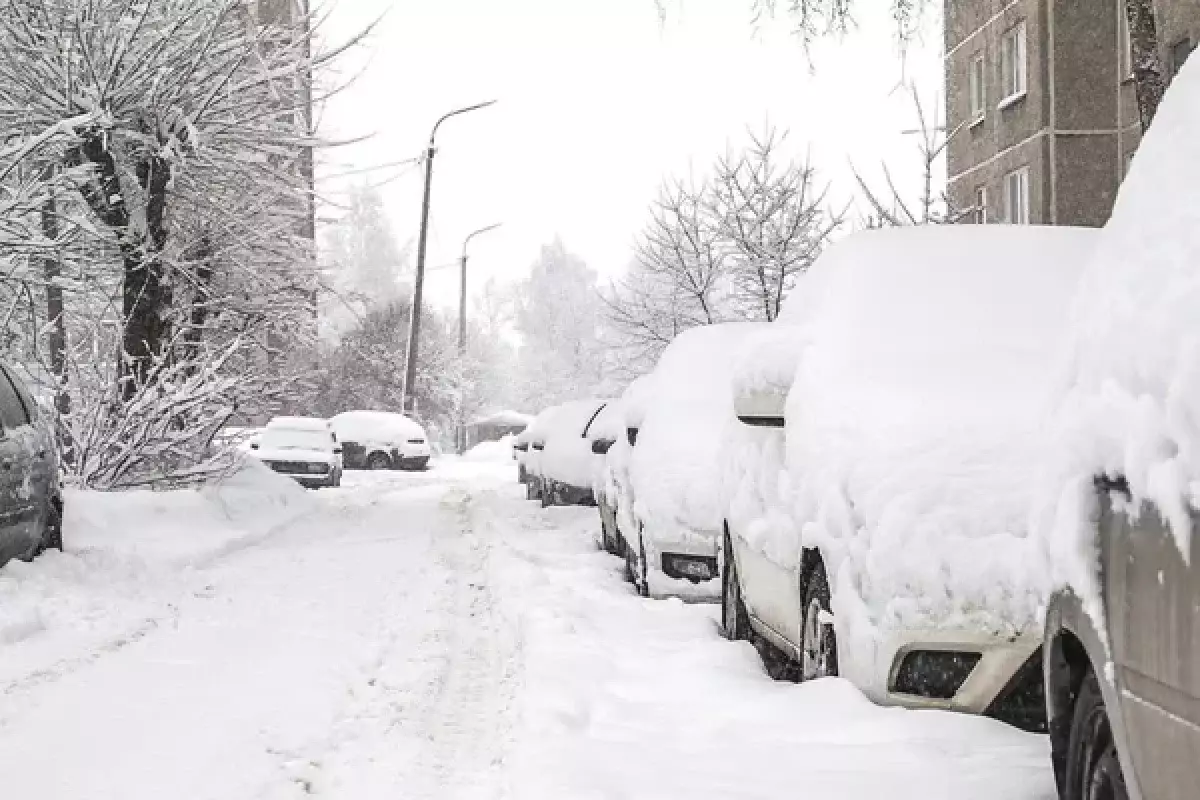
(1148, 73)
(57, 339)
(203, 275)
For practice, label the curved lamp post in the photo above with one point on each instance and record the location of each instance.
(414, 329)
(462, 332)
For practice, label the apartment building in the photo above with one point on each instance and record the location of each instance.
(1041, 104)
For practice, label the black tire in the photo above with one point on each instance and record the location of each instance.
(1093, 766)
(379, 461)
(735, 619)
(635, 569)
(52, 538)
(819, 646)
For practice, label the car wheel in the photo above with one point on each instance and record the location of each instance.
(819, 642)
(379, 461)
(635, 569)
(1093, 766)
(52, 538)
(735, 619)
(547, 495)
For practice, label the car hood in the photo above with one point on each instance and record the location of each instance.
(288, 454)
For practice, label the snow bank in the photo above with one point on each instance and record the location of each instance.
(676, 466)
(1130, 400)
(568, 457)
(500, 451)
(925, 361)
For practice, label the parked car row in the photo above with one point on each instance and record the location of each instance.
(315, 452)
(873, 485)
(31, 497)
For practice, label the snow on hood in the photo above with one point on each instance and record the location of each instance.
(916, 420)
(568, 455)
(676, 466)
(1130, 391)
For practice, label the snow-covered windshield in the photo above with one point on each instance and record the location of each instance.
(296, 439)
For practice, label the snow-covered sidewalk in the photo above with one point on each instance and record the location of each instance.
(431, 635)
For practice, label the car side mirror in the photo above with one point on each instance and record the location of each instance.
(761, 408)
(601, 446)
(254, 445)
(337, 451)
(631, 434)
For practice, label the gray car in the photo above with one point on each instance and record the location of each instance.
(30, 491)
(1124, 700)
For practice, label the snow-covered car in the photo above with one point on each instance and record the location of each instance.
(535, 443)
(606, 430)
(880, 472)
(1120, 509)
(565, 465)
(31, 501)
(381, 440)
(672, 520)
(304, 448)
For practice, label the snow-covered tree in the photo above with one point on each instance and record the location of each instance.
(364, 264)
(558, 318)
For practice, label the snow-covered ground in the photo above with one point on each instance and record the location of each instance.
(420, 635)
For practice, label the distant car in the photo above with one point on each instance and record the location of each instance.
(303, 448)
(673, 530)
(535, 440)
(31, 503)
(566, 462)
(381, 440)
(606, 429)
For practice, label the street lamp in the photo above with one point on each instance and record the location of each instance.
(462, 333)
(414, 329)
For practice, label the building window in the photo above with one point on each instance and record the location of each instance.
(1016, 197)
(981, 204)
(1179, 54)
(976, 88)
(1012, 63)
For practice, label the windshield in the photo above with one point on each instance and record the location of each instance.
(295, 439)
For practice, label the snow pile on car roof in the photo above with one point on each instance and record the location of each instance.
(687, 403)
(568, 455)
(916, 419)
(1131, 382)
(365, 426)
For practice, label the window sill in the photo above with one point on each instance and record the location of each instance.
(977, 121)
(1011, 100)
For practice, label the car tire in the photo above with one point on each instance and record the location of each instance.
(52, 538)
(635, 569)
(379, 461)
(1093, 766)
(818, 640)
(735, 619)
(547, 495)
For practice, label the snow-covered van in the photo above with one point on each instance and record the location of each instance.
(671, 512)
(303, 448)
(1120, 514)
(881, 467)
(381, 440)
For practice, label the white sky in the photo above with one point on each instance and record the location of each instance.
(598, 102)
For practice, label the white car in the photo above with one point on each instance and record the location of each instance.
(670, 510)
(303, 448)
(880, 478)
(381, 440)
(565, 463)
(606, 430)
(535, 445)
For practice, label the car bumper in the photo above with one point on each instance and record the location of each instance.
(565, 494)
(955, 670)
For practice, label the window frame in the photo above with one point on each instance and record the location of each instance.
(1125, 60)
(981, 205)
(1177, 62)
(1014, 65)
(977, 88)
(1021, 176)
(7, 380)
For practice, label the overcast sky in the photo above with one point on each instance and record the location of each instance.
(599, 100)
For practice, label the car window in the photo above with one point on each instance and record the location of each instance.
(12, 409)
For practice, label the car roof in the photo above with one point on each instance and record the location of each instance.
(299, 424)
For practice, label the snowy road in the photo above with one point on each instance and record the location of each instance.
(432, 636)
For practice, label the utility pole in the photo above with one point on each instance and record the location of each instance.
(414, 329)
(462, 333)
